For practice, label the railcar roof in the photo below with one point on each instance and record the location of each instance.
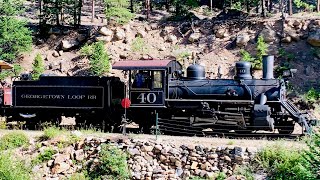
(144, 64)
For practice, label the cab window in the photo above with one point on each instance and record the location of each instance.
(141, 79)
(157, 79)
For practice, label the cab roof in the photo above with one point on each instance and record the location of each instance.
(146, 65)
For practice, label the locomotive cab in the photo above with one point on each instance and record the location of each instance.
(148, 80)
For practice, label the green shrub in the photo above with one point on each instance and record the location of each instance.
(246, 56)
(221, 176)
(246, 171)
(139, 45)
(78, 176)
(37, 67)
(261, 48)
(13, 140)
(312, 155)
(46, 155)
(118, 9)
(99, 59)
(182, 7)
(312, 95)
(50, 133)
(121, 15)
(15, 71)
(284, 54)
(283, 163)
(113, 164)
(11, 169)
(301, 4)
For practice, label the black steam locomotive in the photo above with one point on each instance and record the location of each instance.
(242, 104)
(158, 87)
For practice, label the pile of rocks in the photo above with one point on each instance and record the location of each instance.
(148, 159)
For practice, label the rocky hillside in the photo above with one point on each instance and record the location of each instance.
(213, 41)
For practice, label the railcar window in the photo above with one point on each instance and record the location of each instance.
(157, 80)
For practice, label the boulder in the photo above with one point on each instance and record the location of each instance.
(242, 40)
(268, 35)
(314, 38)
(59, 168)
(55, 54)
(120, 34)
(79, 155)
(141, 33)
(103, 38)
(221, 33)
(171, 38)
(194, 37)
(105, 31)
(66, 45)
(286, 39)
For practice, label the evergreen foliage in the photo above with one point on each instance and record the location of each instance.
(38, 67)
(262, 49)
(118, 9)
(15, 71)
(15, 38)
(99, 59)
(182, 7)
(11, 7)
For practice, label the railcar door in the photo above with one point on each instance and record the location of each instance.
(147, 88)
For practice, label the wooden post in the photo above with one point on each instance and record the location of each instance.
(318, 4)
(211, 5)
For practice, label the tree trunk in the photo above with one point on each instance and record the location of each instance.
(290, 7)
(167, 5)
(263, 8)
(318, 5)
(211, 5)
(270, 6)
(147, 4)
(248, 6)
(93, 10)
(131, 6)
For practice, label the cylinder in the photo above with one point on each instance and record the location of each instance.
(267, 62)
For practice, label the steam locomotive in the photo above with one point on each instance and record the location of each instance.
(158, 88)
(193, 101)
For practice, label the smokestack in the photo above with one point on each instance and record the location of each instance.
(267, 64)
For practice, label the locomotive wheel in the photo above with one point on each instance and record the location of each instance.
(286, 127)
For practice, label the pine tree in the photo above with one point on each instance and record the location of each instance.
(38, 67)
(15, 38)
(99, 59)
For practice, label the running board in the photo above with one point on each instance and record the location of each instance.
(296, 114)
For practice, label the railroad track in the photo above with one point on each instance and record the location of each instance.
(174, 131)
